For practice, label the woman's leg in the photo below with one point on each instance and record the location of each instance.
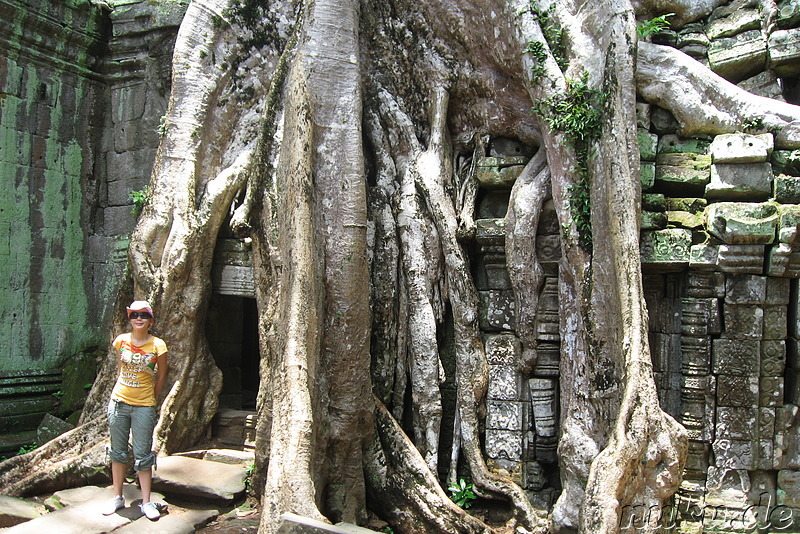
(143, 421)
(119, 426)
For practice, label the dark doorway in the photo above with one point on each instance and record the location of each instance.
(232, 331)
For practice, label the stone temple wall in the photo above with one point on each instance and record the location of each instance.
(82, 91)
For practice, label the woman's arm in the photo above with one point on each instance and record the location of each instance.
(161, 377)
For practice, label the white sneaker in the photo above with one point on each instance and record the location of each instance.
(113, 505)
(150, 510)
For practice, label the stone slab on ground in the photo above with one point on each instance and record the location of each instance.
(82, 519)
(185, 523)
(295, 524)
(95, 494)
(14, 511)
(201, 479)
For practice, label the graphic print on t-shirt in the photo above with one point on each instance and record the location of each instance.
(135, 361)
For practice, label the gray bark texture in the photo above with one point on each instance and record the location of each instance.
(336, 135)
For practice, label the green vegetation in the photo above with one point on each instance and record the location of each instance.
(653, 26)
(536, 49)
(139, 199)
(578, 114)
(462, 493)
(163, 127)
(25, 449)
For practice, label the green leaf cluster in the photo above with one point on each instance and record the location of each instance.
(139, 199)
(462, 493)
(653, 26)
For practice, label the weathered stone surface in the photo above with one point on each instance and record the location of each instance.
(692, 205)
(738, 57)
(653, 220)
(738, 21)
(741, 148)
(643, 116)
(673, 144)
(648, 145)
(683, 173)
(504, 415)
(503, 383)
(764, 84)
(738, 423)
(547, 314)
(741, 259)
(499, 172)
(695, 355)
(727, 487)
(505, 444)
(783, 260)
(786, 189)
(745, 289)
(294, 524)
(14, 511)
(775, 322)
(697, 406)
(738, 357)
(197, 478)
(513, 469)
(703, 257)
(784, 52)
(742, 223)
(685, 219)
(778, 291)
(788, 223)
(548, 356)
(647, 171)
(734, 454)
(51, 427)
(490, 231)
(497, 310)
(788, 14)
(745, 181)
(773, 358)
(770, 391)
(666, 247)
(503, 349)
(789, 488)
(737, 391)
(743, 321)
(654, 202)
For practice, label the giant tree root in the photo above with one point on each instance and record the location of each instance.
(75, 458)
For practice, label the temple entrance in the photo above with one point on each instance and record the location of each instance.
(232, 331)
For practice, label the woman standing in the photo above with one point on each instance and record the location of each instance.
(141, 374)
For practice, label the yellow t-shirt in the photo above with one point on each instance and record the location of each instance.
(137, 370)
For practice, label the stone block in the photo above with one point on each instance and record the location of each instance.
(490, 231)
(507, 468)
(741, 259)
(695, 355)
(643, 115)
(295, 524)
(683, 173)
(775, 322)
(706, 284)
(784, 52)
(692, 205)
(739, 181)
(745, 289)
(504, 444)
(783, 261)
(14, 511)
(788, 223)
(499, 172)
(497, 310)
(741, 148)
(662, 121)
(668, 247)
(764, 84)
(673, 144)
(503, 349)
(548, 249)
(786, 189)
(648, 145)
(735, 357)
(766, 423)
(743, 321)
(736, 22)
(685, 219)
(727, 487)
(647, 172)
(653, 220)
(504, 415)
(785, 162)
(734, 454)
(547, 317)
(789, 488)
(777, 291)
(738, 423)
(118, 220)
(770, 391)
(548, 357)
(703, 257)
(773, 358)
(742, 391)
(544, 406)
(738, 57)
(788, 14)
(697, 406)
(665, 351)
(503, 383)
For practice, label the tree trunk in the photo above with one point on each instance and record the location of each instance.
(337, 136)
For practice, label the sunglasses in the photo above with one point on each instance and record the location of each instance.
(140, 315)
